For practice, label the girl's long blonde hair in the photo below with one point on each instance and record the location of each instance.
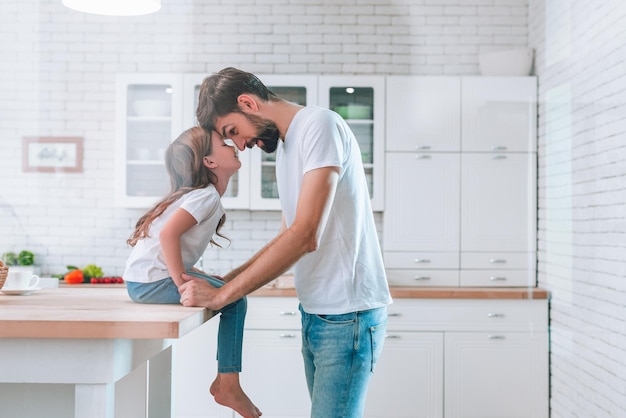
(185, 166)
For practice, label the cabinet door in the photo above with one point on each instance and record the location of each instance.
(498, 204)
(148, 119)
(408, 379)
(423, 113)
(300, 89)
(496, 375)
(237, 195)
(273, 373)
(499, 114)
(422, 202)
(360, 101)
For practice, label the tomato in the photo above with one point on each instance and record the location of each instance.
(74, 277)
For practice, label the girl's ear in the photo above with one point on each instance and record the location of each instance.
(209, 162)
(246, 101)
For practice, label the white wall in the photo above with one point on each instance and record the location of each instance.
(581, 67)
(58, 71)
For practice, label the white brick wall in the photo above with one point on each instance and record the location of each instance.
(581, 67)
(57, 72)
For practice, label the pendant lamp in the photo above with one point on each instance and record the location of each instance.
(114, 7)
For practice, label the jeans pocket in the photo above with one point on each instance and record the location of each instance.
(340, 319)
(377, 335)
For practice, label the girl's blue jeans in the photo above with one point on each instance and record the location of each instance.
(340, 353)
(230, 334)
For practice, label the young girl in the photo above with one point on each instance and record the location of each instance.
(172, 236)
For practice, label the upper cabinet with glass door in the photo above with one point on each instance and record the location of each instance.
(237, 195)
(360, 101)
(148, 120)
(299, 89)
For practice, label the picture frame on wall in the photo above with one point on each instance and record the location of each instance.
(52, 154)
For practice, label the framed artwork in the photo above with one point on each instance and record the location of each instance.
(52, 154)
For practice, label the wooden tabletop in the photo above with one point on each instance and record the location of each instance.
(93, 312)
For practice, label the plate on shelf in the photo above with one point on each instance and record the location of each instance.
(21, 292)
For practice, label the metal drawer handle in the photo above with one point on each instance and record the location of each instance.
(286, 336)
(499, 157)
(423, 157)
(288, 313)
(392, 337)
(496, 337)
(497, 260)
(495, 315)
(497, 279)
(422, 147)
(424, 278)
(498, 148)
(395, 314)
(421, 261)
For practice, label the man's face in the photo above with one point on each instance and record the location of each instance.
(247, 130)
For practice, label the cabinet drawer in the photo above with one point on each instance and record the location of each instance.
(421, 260)
(422, 278)
(468, 315)
(491, 260)
(273, 313)
(498, 278)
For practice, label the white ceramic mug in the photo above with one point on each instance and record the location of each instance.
(21, 279)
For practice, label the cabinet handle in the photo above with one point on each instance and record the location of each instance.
(422, 157)
(395, 314)
(496, 337)
(392, 337)
(423, 278)
(498, 279)
(497, 260)
(421, 261)
(495, 315)
(498, 148)
(422, 147)
(499, 157)
(288, 313)
(287, 336)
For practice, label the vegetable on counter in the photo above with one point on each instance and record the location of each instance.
(24, 258)
(74, 277)
(89, 274)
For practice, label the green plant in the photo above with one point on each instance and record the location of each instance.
(24, 258)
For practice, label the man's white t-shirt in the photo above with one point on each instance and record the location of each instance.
(346, 272)
(146, 263)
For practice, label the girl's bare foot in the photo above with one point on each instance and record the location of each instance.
(228, 392)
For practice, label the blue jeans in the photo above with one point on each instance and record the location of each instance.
(230, 334)
(340, 353)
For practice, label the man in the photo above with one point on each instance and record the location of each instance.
(328, 233)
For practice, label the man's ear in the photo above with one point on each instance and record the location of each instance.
(208, 162)
(247, 102)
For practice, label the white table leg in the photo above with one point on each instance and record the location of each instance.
(160, 385)
(97, 401)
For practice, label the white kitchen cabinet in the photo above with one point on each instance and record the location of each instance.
(274, 377)
(499, 114)
(148, 119)
(408, 379)
(423, 114)
(496, 374)
(360, 100)
(465, 212)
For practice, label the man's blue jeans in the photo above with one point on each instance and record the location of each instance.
(230, 334)
(340, 353)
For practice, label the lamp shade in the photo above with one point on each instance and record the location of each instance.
(114, 7)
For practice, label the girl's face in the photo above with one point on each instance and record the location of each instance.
(223, 159)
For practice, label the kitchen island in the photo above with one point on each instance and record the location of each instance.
(90, 338)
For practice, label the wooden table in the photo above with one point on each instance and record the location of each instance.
(91, 337)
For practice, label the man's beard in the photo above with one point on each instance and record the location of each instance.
(267, 132)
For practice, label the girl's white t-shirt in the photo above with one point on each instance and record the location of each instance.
(346, 272)
(146, 263)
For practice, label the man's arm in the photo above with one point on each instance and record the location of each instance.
(314, 203)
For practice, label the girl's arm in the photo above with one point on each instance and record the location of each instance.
(179, 223)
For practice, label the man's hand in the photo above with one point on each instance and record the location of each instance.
(199, 292)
